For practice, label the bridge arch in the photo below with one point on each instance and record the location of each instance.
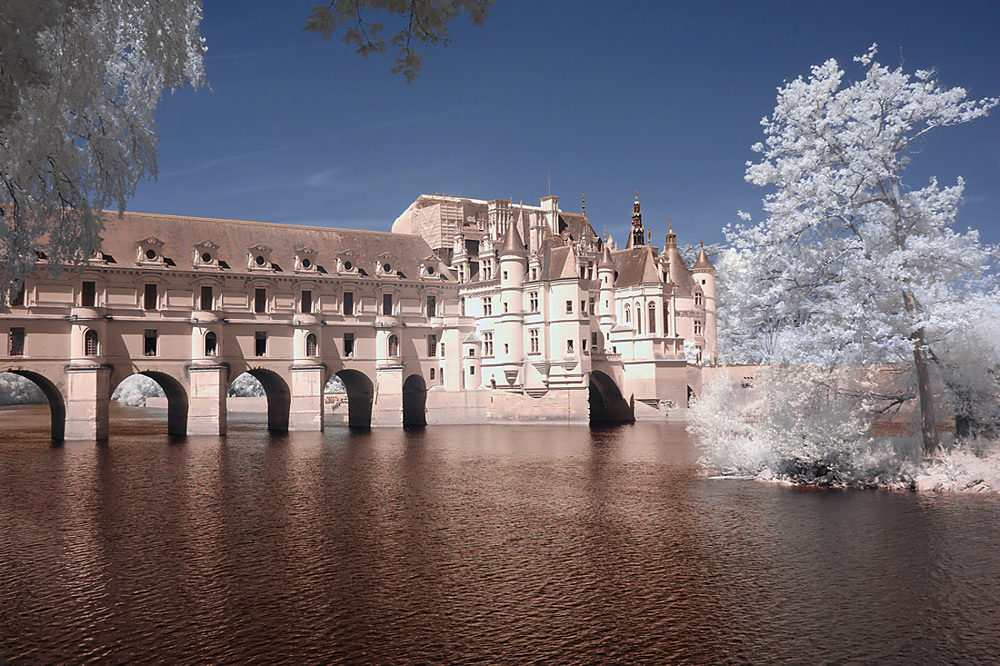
(279, 397)
(57, 403)
(414, 402)
(607, 405)
(360, 398)
(177, 399)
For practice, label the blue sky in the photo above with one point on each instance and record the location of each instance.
(599, 97)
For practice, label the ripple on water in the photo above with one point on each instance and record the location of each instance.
(467, 545)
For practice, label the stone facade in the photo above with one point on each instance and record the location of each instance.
(522, 313)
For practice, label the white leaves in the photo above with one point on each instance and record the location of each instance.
(821, 279)
(82, 79)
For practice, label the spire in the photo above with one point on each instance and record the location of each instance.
(512, 243)
(638, 234)
(703, 262)
(607, 261)
(671, 239)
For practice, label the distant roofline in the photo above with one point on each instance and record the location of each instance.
(253, 222)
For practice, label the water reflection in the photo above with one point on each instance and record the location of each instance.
(495, 544)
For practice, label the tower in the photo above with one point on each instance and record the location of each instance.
(704, 276)
(638, 236)
(606, 296)
(509, 341)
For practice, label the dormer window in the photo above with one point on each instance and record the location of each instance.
(384, 264)
(206, 255)
(305, 259)
(259, 258)
(150, 251)
(428, 268)
(347, 262)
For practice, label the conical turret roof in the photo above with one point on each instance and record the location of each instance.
(513, 245)
(703, 262)
(607, 261)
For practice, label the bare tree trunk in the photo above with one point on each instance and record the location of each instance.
(931, 441)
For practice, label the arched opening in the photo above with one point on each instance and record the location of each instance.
(393, 346)
(135, 389)
(259, 382)
(414, 402)
(90, 343)
(607, 406)
(360, 393)
(21, 387)
(311, 345)
(211, 344)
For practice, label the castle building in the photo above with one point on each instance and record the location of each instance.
(468, 311)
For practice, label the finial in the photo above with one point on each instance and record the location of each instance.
(637, 196)
(605, 234)
(703, 243)
(583, 205)
(670, 225)
(649, 236)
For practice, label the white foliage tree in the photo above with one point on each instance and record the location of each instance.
(79, 84)
(852, 266)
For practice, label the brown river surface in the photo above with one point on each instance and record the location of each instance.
(488, 544)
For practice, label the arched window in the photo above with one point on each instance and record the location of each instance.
(311, 345)
(432, 374)
(628, 315)
(666, 318)
(90, 343)
(638, 318)
(652, 318)
(211, 344)
(393, 345)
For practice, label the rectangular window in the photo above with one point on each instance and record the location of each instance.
(16, 346)
(348, 344)
(306, 302)
(505, 307)
(592, 307)
(260, 300)
(697, 328)
(488, 344)
(533, 301)
(206, 299)
(387, 304)
(149, 297)
(88, 294)
(432, 343)
(17, 298)
(348, 303)
(583, 345)
(441, 349)
(505, 275)
(431, 306)
(472, 351)
(260, 343)
(583, 307)
(472, 369)
(593, 339)
(569, 346)
(533, 340)
(569, 307)
(487, 307)
(149, 342)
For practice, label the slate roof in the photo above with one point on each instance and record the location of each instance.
(636, 266)
(181, 234)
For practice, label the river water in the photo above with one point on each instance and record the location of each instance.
(491, 544)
